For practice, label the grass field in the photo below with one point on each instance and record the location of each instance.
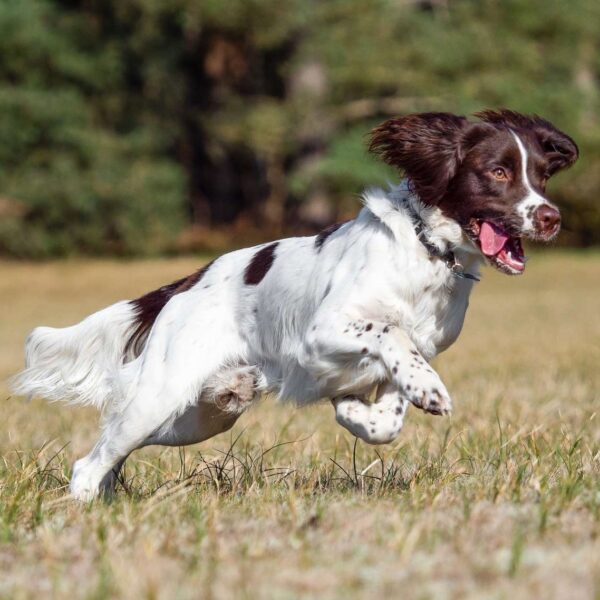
(501, 500)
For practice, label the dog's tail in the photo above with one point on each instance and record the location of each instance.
(82, 364)
(77, 364)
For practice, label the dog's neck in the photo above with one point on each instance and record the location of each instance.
(407, 217)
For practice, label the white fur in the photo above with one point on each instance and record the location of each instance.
(369, 308)
(76, 364)
(532, 201)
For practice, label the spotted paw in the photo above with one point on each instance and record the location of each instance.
(433, 401)
(373, 423)
(428, 393)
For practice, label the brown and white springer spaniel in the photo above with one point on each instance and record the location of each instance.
(361, 308)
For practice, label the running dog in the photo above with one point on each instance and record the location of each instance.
(353, 313)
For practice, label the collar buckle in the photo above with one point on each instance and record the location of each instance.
(455, 266)
(459, 271)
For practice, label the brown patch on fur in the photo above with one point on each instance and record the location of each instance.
(260, 264)
(322, 237)
(148, 307)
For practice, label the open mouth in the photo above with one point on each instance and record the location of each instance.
(503, 250)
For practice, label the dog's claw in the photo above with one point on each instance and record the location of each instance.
(433, 401)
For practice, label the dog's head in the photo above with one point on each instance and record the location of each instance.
(490, 176)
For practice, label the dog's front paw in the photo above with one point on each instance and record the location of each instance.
(433, 401)
(427, 392)
(372, 423)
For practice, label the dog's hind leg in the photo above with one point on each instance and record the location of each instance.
(215, 413)
(377, 423)
(225, 397)
(159, 386)
(125, 432)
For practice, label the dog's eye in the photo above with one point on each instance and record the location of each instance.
(499, 173)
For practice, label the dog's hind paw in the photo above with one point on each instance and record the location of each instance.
(234, 390)
(85, 482)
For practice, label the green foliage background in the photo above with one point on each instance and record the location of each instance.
(125, 124)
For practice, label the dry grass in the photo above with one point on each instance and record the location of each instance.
(502, 500)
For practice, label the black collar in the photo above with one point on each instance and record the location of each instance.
(448, 257)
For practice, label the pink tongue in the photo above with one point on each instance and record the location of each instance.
(491, 238)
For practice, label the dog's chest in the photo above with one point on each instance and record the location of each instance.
(439, 318)
(432, 310)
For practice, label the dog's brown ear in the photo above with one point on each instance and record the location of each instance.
(428, 147)
(561, 150)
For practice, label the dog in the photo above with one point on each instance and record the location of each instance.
(354, 314)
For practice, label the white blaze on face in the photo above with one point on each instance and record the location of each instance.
(532, 201)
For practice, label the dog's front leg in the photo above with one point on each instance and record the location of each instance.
(336, 345)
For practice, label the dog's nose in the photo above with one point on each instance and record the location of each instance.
(547, 220)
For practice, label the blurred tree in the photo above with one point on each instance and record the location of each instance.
(123, 121)
(87, 171)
